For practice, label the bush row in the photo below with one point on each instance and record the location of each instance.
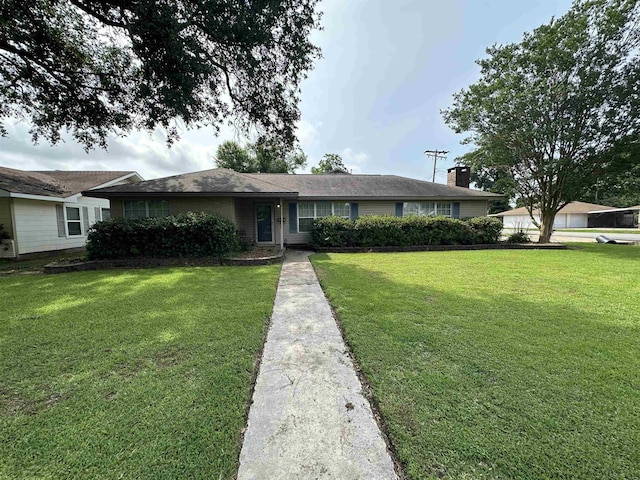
(382, 231)
(185, 235)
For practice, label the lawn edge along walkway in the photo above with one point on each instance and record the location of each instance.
(309, 417)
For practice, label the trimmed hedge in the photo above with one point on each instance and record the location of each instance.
(386, 230)
(186, 235)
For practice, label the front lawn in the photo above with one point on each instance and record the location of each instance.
(499, 364)
(129, 373)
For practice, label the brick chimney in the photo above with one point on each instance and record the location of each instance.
(458, 177)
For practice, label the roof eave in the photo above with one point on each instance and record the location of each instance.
(98, 194)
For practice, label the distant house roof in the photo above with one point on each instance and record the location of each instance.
(56, 183)
(221, 181)
(573, 207)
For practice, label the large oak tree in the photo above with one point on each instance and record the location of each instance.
(96, 67)
(547, 109)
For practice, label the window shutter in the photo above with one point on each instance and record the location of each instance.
(60, 219)
(455, 209)
(97, 213)
(353, 211)
(85, 219)
(399, 207)
(293, 218)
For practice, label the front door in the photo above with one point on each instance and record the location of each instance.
(264, 222)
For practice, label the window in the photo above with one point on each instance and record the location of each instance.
(426, 208)
(145, 208)
(308, 211)
(74, 225)
(106, 214)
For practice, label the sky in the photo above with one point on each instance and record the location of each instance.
(375, 98)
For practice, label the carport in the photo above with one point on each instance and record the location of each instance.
(615, 218)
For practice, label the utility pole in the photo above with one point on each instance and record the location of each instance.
(436, 154)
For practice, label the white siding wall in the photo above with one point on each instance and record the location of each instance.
(37, 226)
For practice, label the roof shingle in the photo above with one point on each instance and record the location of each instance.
(55, 183)
(222, 181)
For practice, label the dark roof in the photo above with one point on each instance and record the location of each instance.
(56, 183)
(221, 181)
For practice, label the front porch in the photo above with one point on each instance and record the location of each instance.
(261, 221)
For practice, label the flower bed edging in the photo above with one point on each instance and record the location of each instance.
(159, 262)
(270, 260)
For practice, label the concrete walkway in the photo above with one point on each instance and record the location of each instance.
(309, 418)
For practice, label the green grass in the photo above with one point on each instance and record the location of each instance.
(128, 374)
(499, 364)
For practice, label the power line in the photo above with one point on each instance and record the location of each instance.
(436, 154)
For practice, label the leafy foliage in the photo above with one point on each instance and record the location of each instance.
(331, 162)
(186, 235)
(387, 230)
(619, 184)
(519, 237)
(263, 156)
(490, 179)
(546, 109)
(485, 229)
(4, 235)
(100, 67)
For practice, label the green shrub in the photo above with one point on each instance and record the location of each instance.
(519, 237)
(485, 229)
(186, 235)
(378, 231)
(386, 230)
(332, 231)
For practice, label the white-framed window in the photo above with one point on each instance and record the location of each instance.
(73, 221)
(106, 213)
(308, 211)
(145, 208)
(426, 208)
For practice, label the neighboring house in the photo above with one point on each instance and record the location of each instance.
(573, 215)
(280, 208)
(45, 211)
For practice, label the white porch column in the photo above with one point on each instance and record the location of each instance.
(281, 224)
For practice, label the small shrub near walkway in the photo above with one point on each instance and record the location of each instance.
(185, 235)
(386, 230)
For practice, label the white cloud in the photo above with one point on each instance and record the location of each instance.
(356, 162)
(148, 154)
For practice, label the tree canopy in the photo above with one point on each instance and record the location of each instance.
(262, 156)
(619, 184)
(330, 162)
(110, 66)
(545, 110)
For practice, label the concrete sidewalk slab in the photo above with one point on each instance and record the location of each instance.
(309, 418)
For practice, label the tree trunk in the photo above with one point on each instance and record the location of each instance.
(546, 225)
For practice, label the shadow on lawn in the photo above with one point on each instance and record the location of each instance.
(491, 383)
